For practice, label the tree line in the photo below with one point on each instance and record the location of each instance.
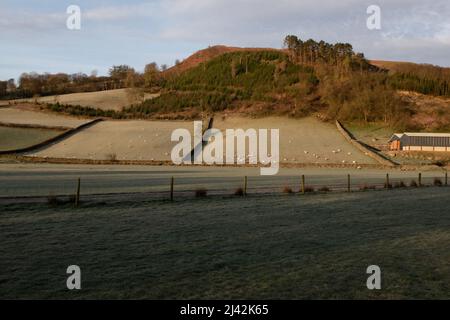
(312, 52)
(422, 78)
(121, 76)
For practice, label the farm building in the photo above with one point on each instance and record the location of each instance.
(420, 142)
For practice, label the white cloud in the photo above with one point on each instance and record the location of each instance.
(123, 12)
(11, 21)
(414, 30)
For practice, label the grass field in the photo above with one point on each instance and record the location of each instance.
(123, 140)
(24, 115)
(305, 140)
(259, 247)
(15, 138)
(106, 100)
(374, 134)
(301, 140)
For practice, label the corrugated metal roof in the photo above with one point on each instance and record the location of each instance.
(424, 139)
(426, 134)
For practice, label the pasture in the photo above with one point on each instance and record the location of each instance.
(119, 140)
(305, 140)
(24, 115)
(301, 140)
(105, 100)
(12, 138)
(270, 246)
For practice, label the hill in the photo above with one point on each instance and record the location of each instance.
(206, 55)
(306, 78)
(264, 80)
(329, 80)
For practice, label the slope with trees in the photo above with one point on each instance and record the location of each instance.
(307, 77)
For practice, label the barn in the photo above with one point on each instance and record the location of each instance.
(420, 142)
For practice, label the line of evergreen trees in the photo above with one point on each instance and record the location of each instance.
(312, 52)
(422, 78)
(226, 81)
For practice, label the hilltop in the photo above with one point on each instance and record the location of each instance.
(207, 54)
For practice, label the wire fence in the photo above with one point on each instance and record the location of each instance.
(175, 188)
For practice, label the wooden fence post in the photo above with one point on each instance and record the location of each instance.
(171, 188)
(420, 179)
(245, 185)
(446, 178)
(387, 183)
(348, 183)
(303, 184)
(77, 196)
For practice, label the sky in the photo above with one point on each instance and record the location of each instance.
(34, 35)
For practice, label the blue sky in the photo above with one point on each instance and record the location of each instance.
(34, 37)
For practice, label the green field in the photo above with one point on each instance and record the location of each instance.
(374, 134)
(220, 247)
(12, 138)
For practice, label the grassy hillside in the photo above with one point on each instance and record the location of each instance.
(308, 77)
(12, 138)
(330, 81)
(269, 82)
(225, 82)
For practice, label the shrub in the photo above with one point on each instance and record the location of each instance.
(437, 182)
(201, 193)
(53, 200)
(72, 198)
(239, 192)
(287, 189)
(440, 163)
(324, 189)
(413, 184)
(309, 189)
(365, 187)
(111, 157)
(400, 184)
